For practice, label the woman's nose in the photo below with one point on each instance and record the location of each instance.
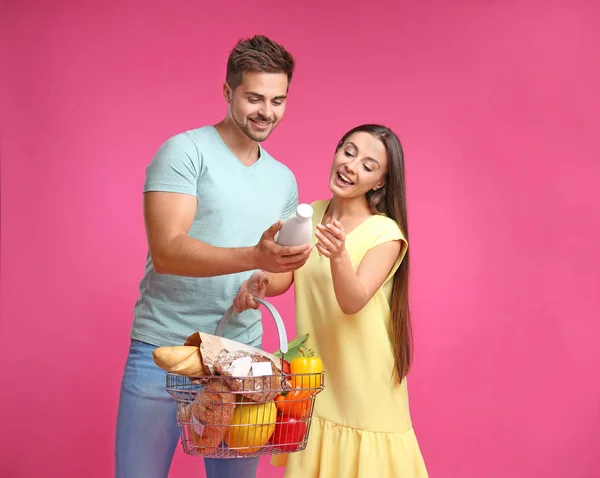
(351, 166)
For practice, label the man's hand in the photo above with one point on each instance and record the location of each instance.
(272, 257)
(168, 218)
(256, 286)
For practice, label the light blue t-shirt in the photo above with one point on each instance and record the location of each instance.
(236, 204)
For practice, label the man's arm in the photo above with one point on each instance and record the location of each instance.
(261, 284)
(168, 218)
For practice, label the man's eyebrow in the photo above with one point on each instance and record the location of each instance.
(368, 158)
(262, 97)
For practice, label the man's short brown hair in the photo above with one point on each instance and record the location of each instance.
(258, 54)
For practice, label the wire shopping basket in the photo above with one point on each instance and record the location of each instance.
(239, 417)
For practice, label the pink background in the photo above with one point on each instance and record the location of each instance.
(496, 103)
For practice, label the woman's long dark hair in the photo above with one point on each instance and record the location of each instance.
(391, 201)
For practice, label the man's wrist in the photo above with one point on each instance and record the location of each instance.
(252, 257)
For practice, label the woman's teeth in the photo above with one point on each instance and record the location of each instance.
(344, 179)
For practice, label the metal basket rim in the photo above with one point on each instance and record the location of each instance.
(229, 377)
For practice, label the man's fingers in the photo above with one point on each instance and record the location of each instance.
(263, 282)
(292, 266)
(236, 305)
(245, 301)
(286, 260)
(274, 228)
(258, 286)
(259, 291)
(252, 303)
(294, 250)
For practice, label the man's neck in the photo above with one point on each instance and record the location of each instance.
(246, 150)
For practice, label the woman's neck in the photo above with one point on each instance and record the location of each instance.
(341, 208)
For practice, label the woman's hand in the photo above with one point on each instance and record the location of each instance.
(331, 240)
(255, 286)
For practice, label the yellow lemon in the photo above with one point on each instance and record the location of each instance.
(251, 427)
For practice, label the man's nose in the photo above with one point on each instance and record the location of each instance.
(265, 110)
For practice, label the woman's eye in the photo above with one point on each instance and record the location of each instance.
(367, 168)
(348, 154)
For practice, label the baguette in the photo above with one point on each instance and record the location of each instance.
(180, 359)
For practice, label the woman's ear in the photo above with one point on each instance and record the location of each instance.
(379, 185)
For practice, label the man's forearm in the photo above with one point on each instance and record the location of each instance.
(185, 256)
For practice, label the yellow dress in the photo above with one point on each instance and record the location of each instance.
(361, 427)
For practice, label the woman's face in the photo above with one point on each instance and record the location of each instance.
(358, 166)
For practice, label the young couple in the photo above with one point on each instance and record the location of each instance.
(213, 201)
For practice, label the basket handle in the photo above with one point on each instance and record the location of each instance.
(283, 342)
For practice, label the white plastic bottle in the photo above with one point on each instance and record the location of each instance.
(297, 229)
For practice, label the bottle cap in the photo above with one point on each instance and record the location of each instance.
(305, 211)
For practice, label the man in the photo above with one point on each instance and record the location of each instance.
(209, 195)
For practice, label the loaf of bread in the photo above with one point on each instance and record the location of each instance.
(262, 388)
(209, 416)
(180, 359)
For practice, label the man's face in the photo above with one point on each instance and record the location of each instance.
(258, 103)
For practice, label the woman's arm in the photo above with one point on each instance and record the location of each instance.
(278, 283)
(353, 289)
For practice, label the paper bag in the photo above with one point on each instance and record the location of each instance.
(251, 372)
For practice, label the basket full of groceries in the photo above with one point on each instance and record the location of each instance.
(234, 400)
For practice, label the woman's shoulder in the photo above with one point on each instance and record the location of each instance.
(320, 202)
(319, 206)
(385, 225)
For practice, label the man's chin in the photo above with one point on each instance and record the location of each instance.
(258, 136)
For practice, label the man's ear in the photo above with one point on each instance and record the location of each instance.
(227, 92)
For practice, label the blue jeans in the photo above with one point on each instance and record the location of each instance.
(147, 432)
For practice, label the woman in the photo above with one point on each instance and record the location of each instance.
(352, 298)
